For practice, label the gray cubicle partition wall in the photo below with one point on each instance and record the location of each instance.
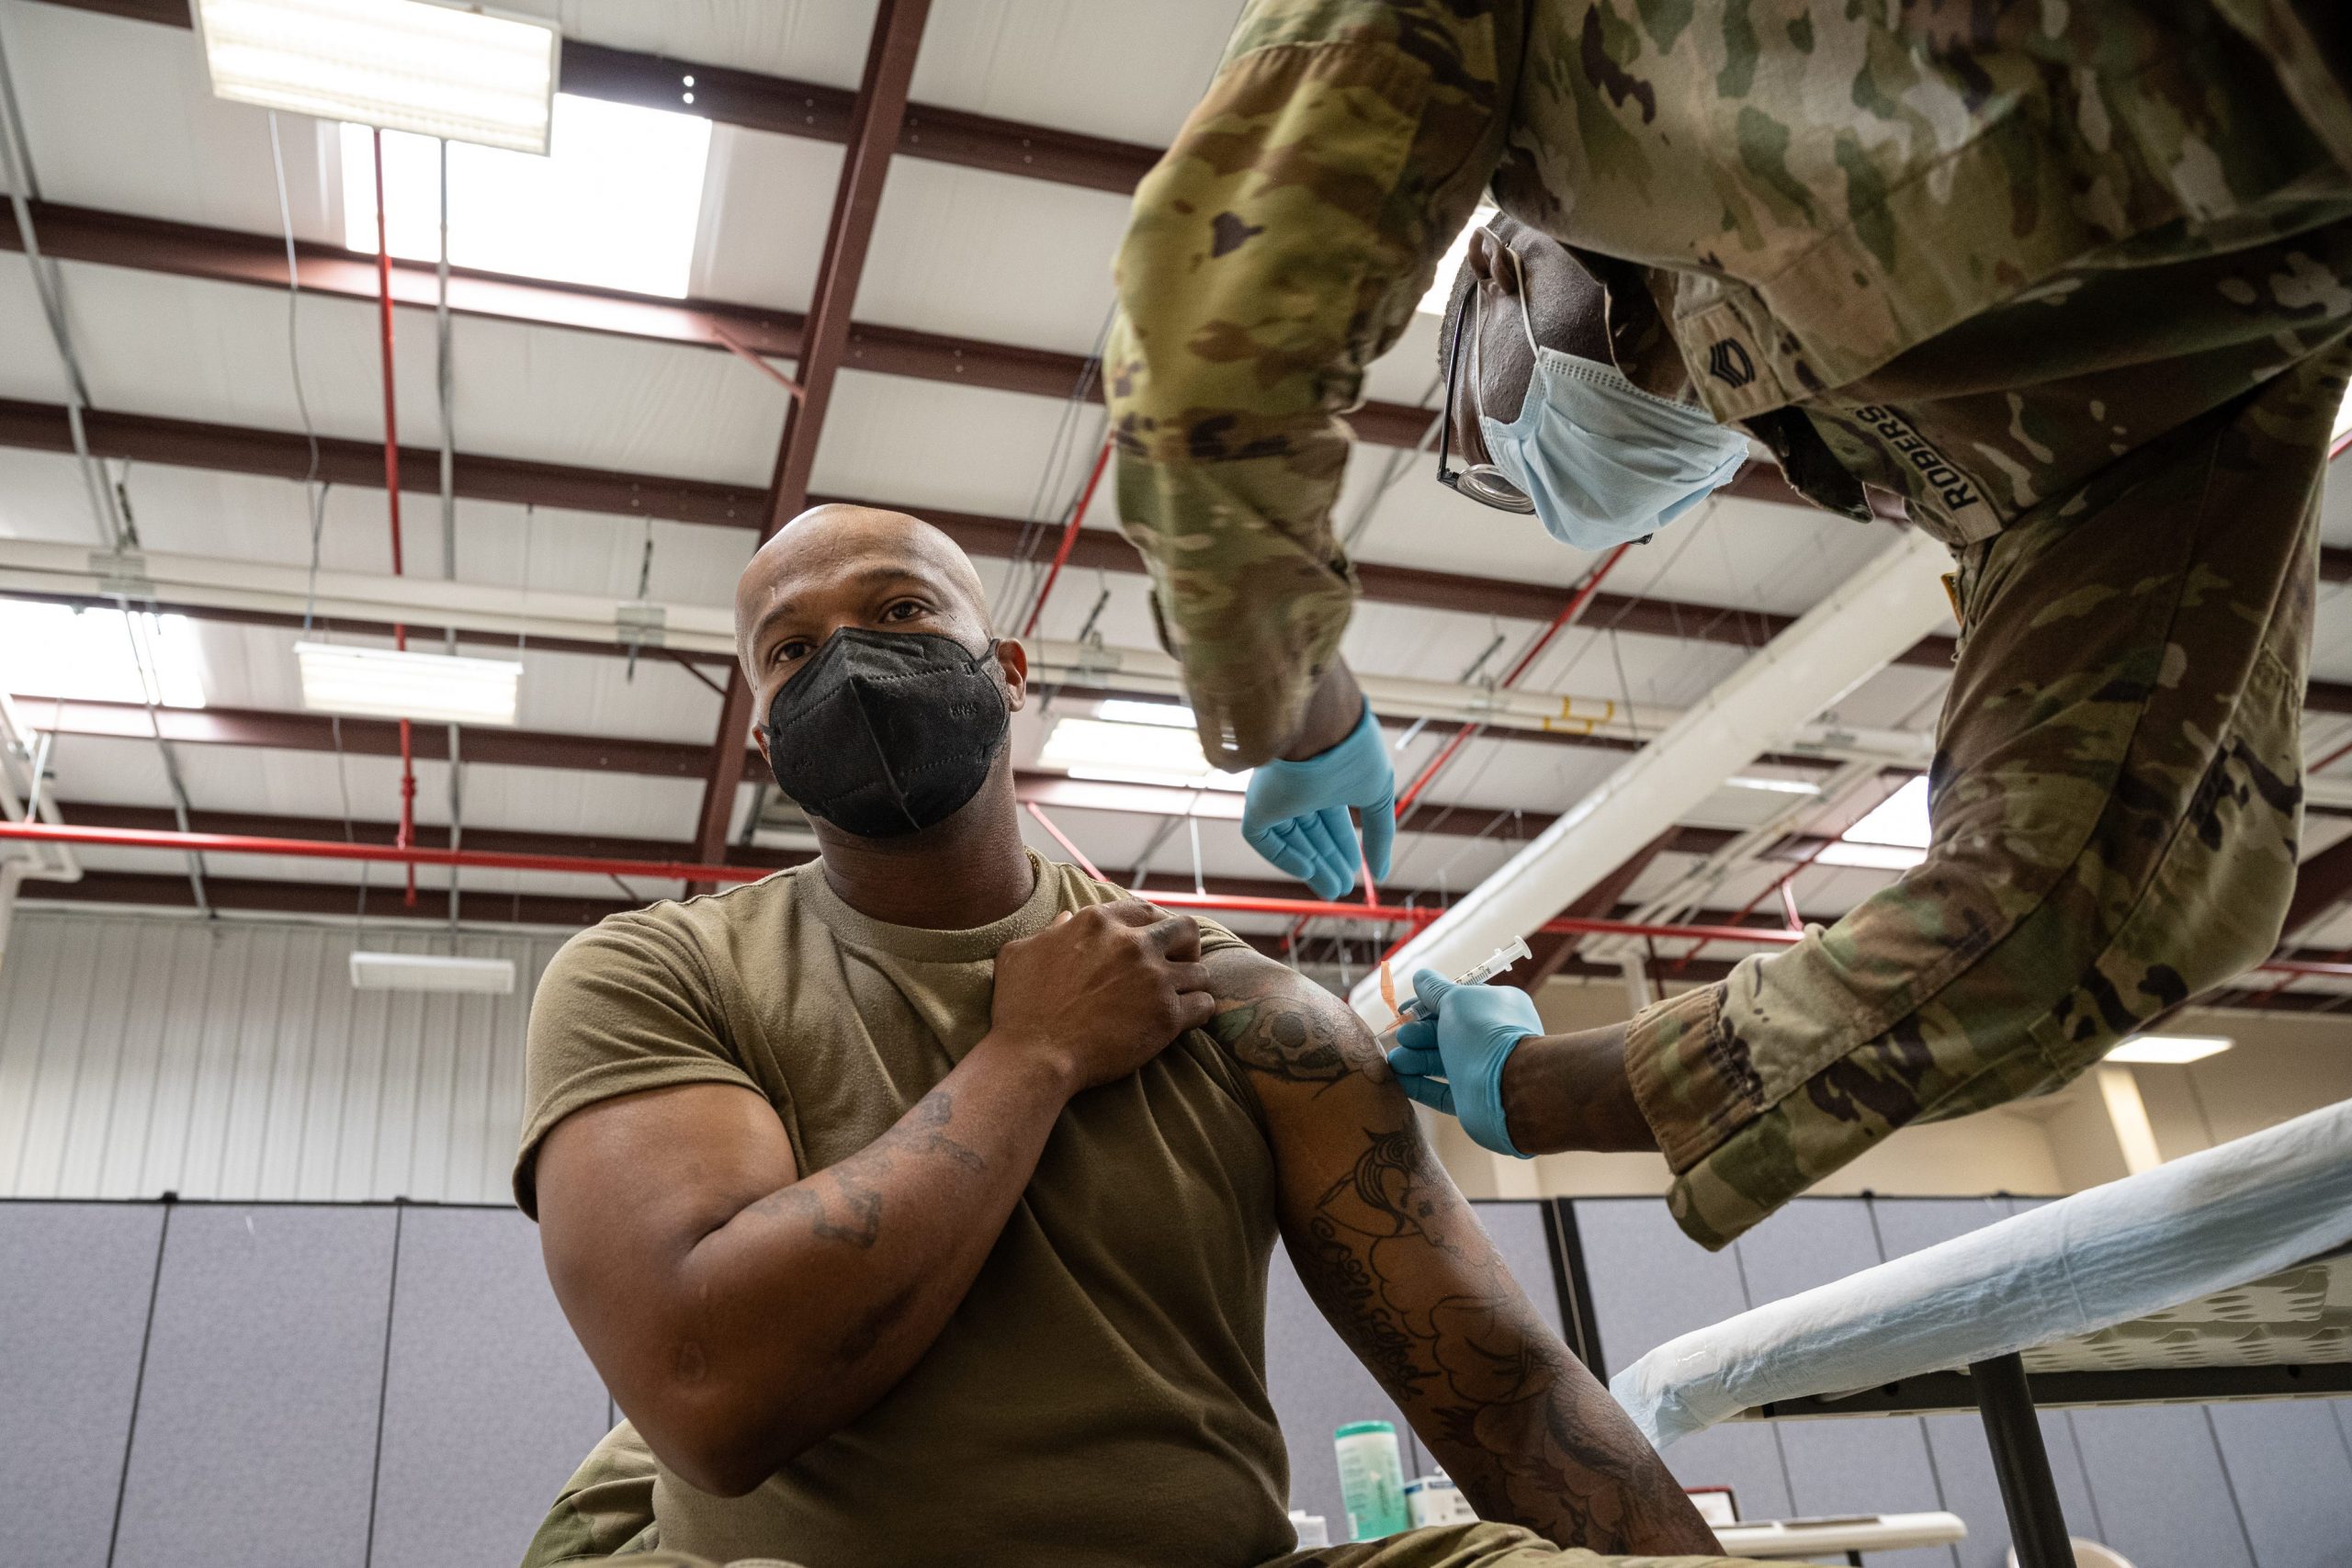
(255, 1434)
(1963, 1463)
(385, 1386)
(489, 1403)
(280, 1383)
(1647, 1285)
(1843, 1466)
(2255, 1485)
(76, 1279)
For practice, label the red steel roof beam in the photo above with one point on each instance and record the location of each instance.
(874, 121)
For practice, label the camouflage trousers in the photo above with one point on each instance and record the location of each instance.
(2116, 800)
(604, 1515)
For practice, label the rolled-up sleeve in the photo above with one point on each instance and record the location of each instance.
(2117, 801)
(1278, 248)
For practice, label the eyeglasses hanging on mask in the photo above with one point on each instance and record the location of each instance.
(1482, 483)
(1597, 459)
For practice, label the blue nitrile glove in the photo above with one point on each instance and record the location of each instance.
(1463, 1036)
(1296, 813)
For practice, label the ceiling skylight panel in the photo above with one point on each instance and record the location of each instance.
(614, 204)
(55, 651)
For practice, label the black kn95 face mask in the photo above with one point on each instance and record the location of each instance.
(885, 733)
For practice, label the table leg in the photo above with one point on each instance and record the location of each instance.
(2037, 1524)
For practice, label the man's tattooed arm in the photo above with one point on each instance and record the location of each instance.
(740, 1309)
(1398, 1264)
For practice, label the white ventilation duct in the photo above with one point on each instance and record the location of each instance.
(1870, 617)
(23, 758)
(188, 581)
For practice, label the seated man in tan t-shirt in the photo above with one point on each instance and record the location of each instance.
(916, 1204)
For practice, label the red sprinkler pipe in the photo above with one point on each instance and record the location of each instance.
(1574, 608)
(1069, 536)
(1063, 839)
(407, 835)
(679, 871)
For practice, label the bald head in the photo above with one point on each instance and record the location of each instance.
(824, 544)
(839, 566)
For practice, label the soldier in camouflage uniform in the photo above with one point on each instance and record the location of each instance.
(2073, 277)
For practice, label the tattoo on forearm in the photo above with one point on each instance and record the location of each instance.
(1535, 1440)
(867, 1333)
(1400, 1267)
(843, 1202)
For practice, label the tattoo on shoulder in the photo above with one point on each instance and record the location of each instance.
(1270, 1027)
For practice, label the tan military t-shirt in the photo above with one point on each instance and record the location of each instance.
(1099, 1397)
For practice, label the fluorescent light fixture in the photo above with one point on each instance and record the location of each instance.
(614, 206)
(1156, 754)
(378, 682)
(56, 650)
(1441, 290)
(1129, 710)
(1774, 786)
(431, 972)
(2169, 1050)
(401, 65)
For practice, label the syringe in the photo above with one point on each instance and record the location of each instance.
(1494, 964)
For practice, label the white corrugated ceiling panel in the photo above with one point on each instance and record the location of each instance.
(1131, 72)
(120, 116)
(997, 257)
(811, 40)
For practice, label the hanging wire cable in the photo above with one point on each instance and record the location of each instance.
(151, 690)
(293, 303)
(1398, 464)
(50, 285)
(1020, 566)
(1567, 616)
(393, 496)
(314, 492)
(445, 383)
(1016, 590)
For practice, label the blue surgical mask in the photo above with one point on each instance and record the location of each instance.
(1603, 461)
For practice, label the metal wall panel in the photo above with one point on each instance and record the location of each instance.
(232, 1060)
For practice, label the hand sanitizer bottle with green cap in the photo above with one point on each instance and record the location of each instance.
(1371, 1479)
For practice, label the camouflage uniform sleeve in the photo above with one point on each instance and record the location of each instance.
(2117, 813)
(1277, 249)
